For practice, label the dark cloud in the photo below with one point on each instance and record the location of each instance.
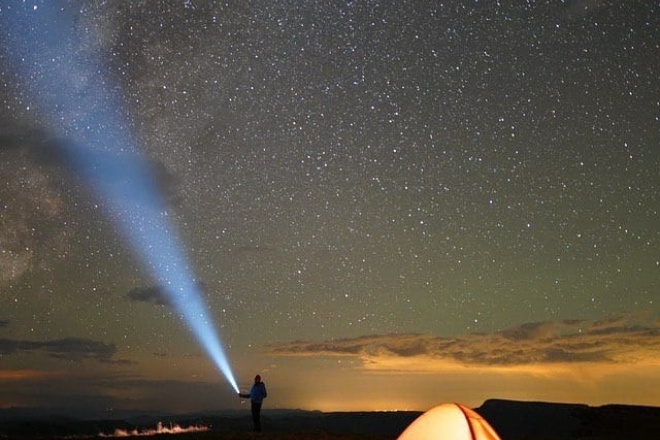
(155, 294)
(619, 339)
(42, 149)
(75, 349)
(56, 154)
(167, 182)
(152, 294)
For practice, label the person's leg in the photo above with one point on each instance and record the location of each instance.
(256, 416)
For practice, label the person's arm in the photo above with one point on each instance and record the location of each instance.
(250, 394)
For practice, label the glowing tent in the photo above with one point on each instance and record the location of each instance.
(449, 421)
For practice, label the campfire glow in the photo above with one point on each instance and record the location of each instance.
(160, 429)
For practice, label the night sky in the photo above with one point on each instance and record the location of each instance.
(386, 205)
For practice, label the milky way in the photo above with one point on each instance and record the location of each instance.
(339, 170)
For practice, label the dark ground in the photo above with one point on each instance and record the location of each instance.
(511, 419)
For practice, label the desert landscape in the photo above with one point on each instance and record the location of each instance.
(513, 420)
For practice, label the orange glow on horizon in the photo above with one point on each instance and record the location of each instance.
(18, 375)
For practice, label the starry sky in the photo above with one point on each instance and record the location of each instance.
(385, 205)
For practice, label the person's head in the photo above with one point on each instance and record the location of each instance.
(257, 379)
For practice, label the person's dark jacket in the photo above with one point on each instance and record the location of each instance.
(257, 393)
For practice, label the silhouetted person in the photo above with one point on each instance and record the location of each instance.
(257, 395)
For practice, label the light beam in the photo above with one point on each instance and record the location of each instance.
(64, 79)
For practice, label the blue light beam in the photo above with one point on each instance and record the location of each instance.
(58, 64)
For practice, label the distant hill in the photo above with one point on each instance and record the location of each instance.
(516, 420)
(513, 420)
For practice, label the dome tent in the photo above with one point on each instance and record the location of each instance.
(449, 421)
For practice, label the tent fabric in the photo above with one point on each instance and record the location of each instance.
(449, 421)
(481, 429)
